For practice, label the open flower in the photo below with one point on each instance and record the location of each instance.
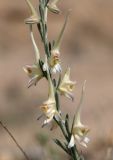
(79, 131)
(54, 60)
(49, 106)
(66, 86)
(34, 18)
(34, 71)
(52, 6)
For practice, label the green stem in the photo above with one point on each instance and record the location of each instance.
(45, 40)
(75, 153)
(64, 127)
(61, 127)
(57, 100)
(43, 25)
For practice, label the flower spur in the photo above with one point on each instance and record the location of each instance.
(79, 131)
(34, 71)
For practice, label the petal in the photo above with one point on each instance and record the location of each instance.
(83, 144)
(33, 81)
(78, 138)
(56, 68)
(45, 67)
(69, 95)
(72, 142)
(82, 140)
(86, 139)
(50, 113)
(48, 120)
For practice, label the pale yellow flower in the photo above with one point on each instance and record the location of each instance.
(79, 131)
(66, 86)
(54, 60)
(49, 106)
(52, 6)
(34, 18)
(34, 71)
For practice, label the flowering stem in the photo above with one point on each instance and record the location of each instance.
(51, 108)
(64, 127)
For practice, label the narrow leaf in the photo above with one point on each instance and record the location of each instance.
(60, 145)
(67, 125)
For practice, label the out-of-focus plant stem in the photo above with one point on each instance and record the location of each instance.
(15, 141)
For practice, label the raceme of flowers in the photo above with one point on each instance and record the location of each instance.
(63, 85)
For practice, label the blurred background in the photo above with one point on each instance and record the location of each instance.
(87, 48)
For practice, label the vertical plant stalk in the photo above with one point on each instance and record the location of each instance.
(43, 33)
(51, 108)
(14, 140)
(43, 25)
